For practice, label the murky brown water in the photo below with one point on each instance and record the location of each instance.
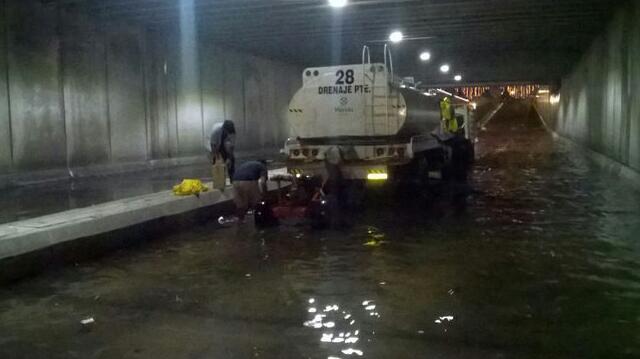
(544, 262)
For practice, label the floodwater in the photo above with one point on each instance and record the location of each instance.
(542, 262)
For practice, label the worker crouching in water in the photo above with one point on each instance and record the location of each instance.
(249, 186)
(221, 145)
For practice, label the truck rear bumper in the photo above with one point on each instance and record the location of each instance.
(350, 171)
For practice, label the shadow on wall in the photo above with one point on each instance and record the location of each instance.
(85, 91)
(598, 105)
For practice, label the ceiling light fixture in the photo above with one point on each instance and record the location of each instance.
(338, 3)
(425, 56)
(396, 37)
(444, 68)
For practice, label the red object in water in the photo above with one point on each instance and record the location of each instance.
(290, 212)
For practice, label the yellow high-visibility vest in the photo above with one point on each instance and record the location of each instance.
(448, 117)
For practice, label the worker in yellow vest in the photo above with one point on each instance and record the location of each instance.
(449, 122)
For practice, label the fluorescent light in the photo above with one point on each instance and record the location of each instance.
(543, 91)
(444, 68)
(338, 3)
(396, 37)
(425, 56)
(458, 78)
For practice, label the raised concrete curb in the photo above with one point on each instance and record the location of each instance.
(18, 179)
(490, 115)
(19, 238)
(609, 165)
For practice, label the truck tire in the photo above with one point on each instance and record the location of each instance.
(462, 156)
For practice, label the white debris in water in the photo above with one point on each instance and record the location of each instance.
(87, 321)
(329, 324)
(312, 310)
(370, 307)
(311, 300)
(351, 340)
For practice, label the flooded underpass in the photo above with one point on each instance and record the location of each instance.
(541, 262)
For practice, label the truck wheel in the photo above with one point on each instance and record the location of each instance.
(460, 162)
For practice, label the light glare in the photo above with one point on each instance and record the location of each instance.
(396, 37)
(338, 3)
(377, 176)
(444, 68)
(458, 78)
(425, 56)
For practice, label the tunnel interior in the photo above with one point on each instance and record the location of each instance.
(532, 253)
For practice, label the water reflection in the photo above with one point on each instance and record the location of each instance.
(343, 325)
(544, 264)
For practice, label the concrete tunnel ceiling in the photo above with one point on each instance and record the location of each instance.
(484, 41)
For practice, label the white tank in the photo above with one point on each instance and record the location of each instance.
(358, 101)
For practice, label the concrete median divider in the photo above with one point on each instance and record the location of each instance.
(29, 246)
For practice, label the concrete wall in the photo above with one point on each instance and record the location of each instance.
(599, 102)
(78, 89)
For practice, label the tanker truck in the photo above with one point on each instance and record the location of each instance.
(384, 129)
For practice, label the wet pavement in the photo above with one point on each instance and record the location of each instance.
(34, 200)
(543, 261)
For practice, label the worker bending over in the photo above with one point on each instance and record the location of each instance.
(249, 186)
(221, 145)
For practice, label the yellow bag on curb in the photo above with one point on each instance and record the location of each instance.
(189, 187)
